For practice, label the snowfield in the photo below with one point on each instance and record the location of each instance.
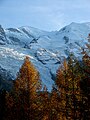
(45, 49)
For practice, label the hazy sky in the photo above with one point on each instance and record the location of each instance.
(43, 14)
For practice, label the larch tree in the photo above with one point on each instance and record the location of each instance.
(68, 80)
(24, 92)
(28, 79)
(55, 113)
(61, 84)
(85, 84)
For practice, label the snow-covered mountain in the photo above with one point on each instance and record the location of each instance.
(45, 49)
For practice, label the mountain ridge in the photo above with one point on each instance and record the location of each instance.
(45, 49)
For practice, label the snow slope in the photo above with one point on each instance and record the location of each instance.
(45, 49)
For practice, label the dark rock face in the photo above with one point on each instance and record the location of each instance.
(14, 30)
(5, 79)
(66, 39)
(14, 39)
(2, 34)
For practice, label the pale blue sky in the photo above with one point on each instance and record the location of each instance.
(43, 14)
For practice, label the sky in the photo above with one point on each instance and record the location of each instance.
(49, 15)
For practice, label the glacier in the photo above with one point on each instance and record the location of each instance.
(46, 50)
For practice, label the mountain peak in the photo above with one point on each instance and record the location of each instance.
(47, 49)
